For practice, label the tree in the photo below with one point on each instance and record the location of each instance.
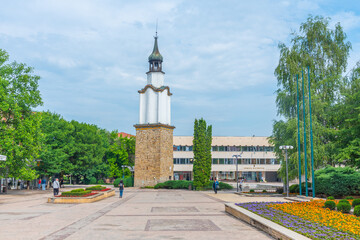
(326, 52)
(20, 134)
(202, 153)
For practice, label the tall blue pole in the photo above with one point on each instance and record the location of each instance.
(298, 125)
(311, 139)
(304, 117)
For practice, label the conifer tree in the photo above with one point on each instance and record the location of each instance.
(202, 153)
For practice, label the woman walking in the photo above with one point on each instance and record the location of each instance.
(121, 188)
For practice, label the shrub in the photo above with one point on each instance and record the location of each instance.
(96, 188)
(128, 182)
(331, 198)
(77, 190)
(174, 184)
(252, 190)
(340, 181)
(294, 188)
(280, 190)
(92, 180)
(349, 198)
(357, 211)
(344, 201)
(330, 205)
(356, 202)
(101, 181)
(264, 190)
(343, 207)
(81, 193)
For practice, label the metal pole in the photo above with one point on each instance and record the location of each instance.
(311, 140)
(304, 118)
(298, 126)
(287, 175)
(237, 175)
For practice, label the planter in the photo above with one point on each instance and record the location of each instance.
(98, 196)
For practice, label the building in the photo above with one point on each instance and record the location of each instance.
(154, 133)
(256, 158)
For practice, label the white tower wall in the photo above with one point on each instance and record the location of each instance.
(156, 79)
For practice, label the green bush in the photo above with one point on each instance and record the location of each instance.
(65, 194)
(344, 201)
(330, 204)
(356, 202)
(96, 188)
(92, 180)
(174, 184)
(331, 198)
(101, 181)
(294, 188)
(280, 190)
(252, 190)
(77, 190)
(340, 181)
(264, 190)
(128, 182)
(343, 207)
(349, 198)
(357, 211)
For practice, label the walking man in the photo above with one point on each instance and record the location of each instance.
(121, 188)
(215, 185)
(43, 184)
(56, 186)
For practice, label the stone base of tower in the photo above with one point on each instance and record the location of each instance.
(153, 154)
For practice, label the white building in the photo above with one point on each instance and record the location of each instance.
(257, 161)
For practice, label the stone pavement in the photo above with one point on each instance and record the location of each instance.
(141, 214)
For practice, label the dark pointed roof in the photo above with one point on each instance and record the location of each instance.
(155, 55)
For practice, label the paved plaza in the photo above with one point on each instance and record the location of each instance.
(141, 214)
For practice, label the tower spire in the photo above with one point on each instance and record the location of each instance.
(155, 58)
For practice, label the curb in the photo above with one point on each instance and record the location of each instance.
(90, 199)
(273, 229)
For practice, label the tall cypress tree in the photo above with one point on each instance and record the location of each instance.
(202, 153)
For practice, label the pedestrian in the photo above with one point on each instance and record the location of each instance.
(121, 188)
(215, 185)
(43, 184)
(62, 182)
(56, 186)
(39, 182)
(241, 184)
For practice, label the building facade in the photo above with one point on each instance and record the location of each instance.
(154, 133)
(256, 160)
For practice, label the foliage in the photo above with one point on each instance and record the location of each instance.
(357, 211)
(20, 134)
(80, 193)
(128, 182)
(100, 181)
(325, 51)
(252, 190)
(356, 202)
(330, 198)
(294, 188)
(337, 181)
(202, 153)
(330, 205)
(344, 201)
(343, 207)
(174, 184)
(92, 180)
(77, 190)
(349, 198)
(280, 190)
(96, 188)
(264, 191)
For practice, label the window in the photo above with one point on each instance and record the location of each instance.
(215, 148)
(215, 161)
(221, 161)
(221, 148)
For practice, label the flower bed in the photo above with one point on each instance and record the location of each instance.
(307, 227)
(85, 195)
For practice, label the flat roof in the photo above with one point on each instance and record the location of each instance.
(225, 141)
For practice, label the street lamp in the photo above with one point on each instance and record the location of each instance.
(285, 148)
(123, 170)
(237, 174)
(2, 158)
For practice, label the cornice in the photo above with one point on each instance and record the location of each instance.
(155, 89)
(153, 125)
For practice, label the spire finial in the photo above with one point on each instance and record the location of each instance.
(156, 28)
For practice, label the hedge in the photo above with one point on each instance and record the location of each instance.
(356, 202)
(330, 204)
(70, 193)
(183, 184)
(128, 182)
(77, 190)
(339, 181)
(343, 207)
(357, 211)
(96, 188)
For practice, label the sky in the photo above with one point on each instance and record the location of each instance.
(219, 56)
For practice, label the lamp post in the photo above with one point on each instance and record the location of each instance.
(285, 147)
(237, 174)
(123, 171)
(2, 158)
(191, 162)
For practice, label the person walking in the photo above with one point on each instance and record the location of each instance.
(56, 186)
(62, 183)
(215, 185)
(121, 188)
(39, 182)
(43, 184)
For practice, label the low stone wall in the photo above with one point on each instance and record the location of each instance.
(275, 230)
(90, 199)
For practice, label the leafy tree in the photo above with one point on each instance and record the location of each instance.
(202, 153)
(20, 135)
(326, 52)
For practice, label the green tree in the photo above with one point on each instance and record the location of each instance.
(20, 134)
(326, 52)
(202, 153)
